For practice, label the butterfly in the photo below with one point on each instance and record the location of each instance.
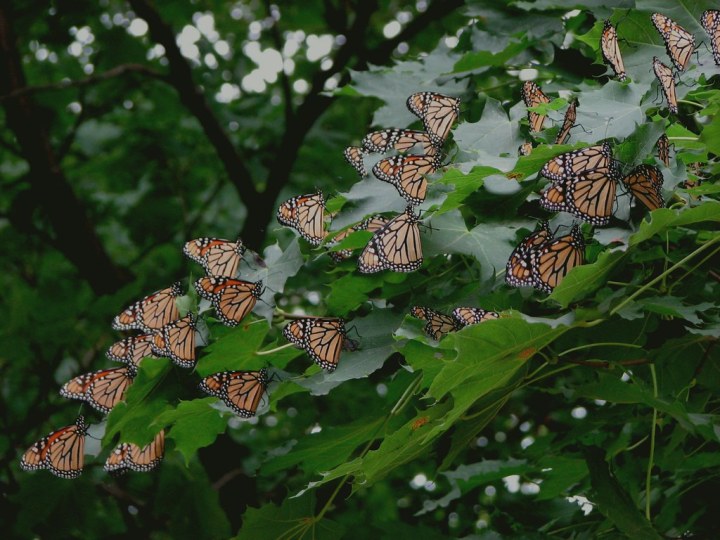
(667, 82)
(525, 148)
(569, 164)
(551, 262)
(152, 312)
(645, 182)
(407, 173)
(372, 224)
(177, 340)
(232, 299)
(305, 214)
(611, 50)
(400, 140)
(322, 338)
(240, 390)
(62, 452)
(438, 113)
(438, 324)
(129, 456)
(354, 156)
(553, 198)
(710, 21)
(101, 389)
(591, 196)
(396, 246)
(518, 271)
(131, 350)
(533, 96)
(568, 123)
(679, 43)
(663, 147)
(467, 316)
(218, 257)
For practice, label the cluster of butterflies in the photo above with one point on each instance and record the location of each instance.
(164, 333)
(679, 44)
(395, 244)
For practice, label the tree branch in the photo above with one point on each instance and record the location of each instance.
(180, 77)
(75, 236)
(117, 71)
(284, 80)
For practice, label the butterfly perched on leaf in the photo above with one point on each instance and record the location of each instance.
(305, 214)
(131, 350)
(400, 140)
(663, 149)
(467, 316)
(532, 96)
(240, 390)
(679, 43)
(322, 338)
(525, 149)
(354, 156)
(62, 452)
(518, 271)
(645, 183)
(438, 324)
(217, 256)
(611, 50)
(176, 340)
(371, 224)
(667, 83)
(710, 21)
(407, 173)
(130, 457)
(555, 258)
(101, 389)
(438, 113)
(396, 246)
(232, 299)
(568, 123)
(152, 312)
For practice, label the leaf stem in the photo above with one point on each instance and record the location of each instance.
(605, 344)
(670, 270)
(686, 274)
(276, 349)
(688, 102)
(651, 458)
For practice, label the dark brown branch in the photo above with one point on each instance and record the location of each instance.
(180, 76)
(606, 365)
(117, 71)
(74, 235)
(284, 80)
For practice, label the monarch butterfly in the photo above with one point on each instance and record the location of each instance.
(305, 214)
(372, 224)
(679, 43)
(438, 324)
(553, 198)
(438, 113)
(177, 340)
(101, 389)
(569, 164)
(645, 182)
(568, 123)
(591, 196)
(152, 312)
(401, 140)
(466, 316)
(553, 260)
(129, 456)
(518, 271)
(62, 452)
(663, 146)
(218, 257)
(131, 350)
(533, 96)
(240, 390)
(322, 338)
(525, 148)
(407, 174)
(611, 50)
(354, 156)
(396, 246)
(232, 299)
(710, 21)
(667, 82)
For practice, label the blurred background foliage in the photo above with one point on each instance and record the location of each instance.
(131, 127)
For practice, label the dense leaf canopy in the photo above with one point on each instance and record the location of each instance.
(133, 127)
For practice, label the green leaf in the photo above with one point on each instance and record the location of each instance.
(463, 186)
(584, 280)
(664, 218)
(235, 350)
(350, 291)
(195, 424)
(484, 58)
(559, 474)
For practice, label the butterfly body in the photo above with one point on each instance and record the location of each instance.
(667, 83)
(129, 456)
(438, 324)
(611, 50)
(467, 316)
(372, 224)
(101, 389)
(645, 183)
(62, 452)
(553, 260)
(438, 113)
(305, 214)
(354, 156)
(710, 21)
(400, 140)
(176, 340)
(679, 43)
(131, 350)
(217, 256)
(407, 173)
(232, 298)
(240, 390)
(152, 312)
(518, 271)
(533, 96)
(322, 338)
(396, 246)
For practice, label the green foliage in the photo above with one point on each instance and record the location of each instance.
(588, 412)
